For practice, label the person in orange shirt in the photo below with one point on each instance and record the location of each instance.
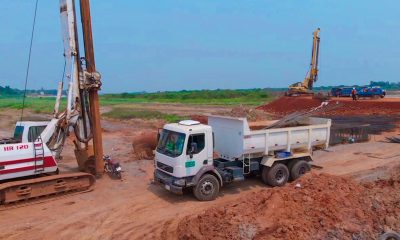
(354, 94)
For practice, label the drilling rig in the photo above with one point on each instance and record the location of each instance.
(305, 87)
(29, 160)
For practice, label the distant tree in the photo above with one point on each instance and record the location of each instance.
(386, 85)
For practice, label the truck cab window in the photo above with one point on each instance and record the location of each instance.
(171, 143)
(19, 130)
(197, 141)
(34, 132)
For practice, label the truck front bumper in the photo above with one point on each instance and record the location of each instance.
(167, 180)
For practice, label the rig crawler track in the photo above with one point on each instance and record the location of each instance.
(31, 190)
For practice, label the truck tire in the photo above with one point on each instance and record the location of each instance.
(275, 176)
(299, 168)
(207, 188)
(390, 235)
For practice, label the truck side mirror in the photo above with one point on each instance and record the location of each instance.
(193, 149)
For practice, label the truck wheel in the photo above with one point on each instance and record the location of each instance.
(275, 176)
(207, 188)
(299, 168)
(390, 235)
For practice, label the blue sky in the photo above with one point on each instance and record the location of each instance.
(158, 45)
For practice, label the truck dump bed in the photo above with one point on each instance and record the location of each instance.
(234, 139)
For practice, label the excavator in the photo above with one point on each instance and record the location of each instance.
(29, 160)
(305, 87)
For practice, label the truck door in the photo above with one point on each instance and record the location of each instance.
(196, 154)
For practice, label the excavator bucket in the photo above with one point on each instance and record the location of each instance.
(85, 159)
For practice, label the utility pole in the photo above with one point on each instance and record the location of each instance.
(93, 91)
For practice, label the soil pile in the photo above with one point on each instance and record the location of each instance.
(201, 118)
(321, 206)
(144, 144)
(249, 113)
(286, 105)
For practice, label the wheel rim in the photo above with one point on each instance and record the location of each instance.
(279, 176)
(207, 188)
(302, 170)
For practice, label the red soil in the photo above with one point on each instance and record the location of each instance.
(144, 144)
(323, 207)
(286, 105)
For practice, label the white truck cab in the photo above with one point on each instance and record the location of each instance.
(184, 148)
(184, 155)
(187, 146)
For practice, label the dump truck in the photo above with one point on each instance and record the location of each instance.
(207, 157)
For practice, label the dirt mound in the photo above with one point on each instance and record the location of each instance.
(323, 207)
(249, 113)
(201, 118)
(286, 105)
(144, 144)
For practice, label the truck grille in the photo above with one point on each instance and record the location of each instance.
(165, 167)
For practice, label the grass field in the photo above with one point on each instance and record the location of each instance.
(251, 97)
(127, 113)
(212, 97)
(37, 105)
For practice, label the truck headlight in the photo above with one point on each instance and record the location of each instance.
(179, 182)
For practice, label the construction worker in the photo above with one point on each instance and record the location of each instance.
(354, 94)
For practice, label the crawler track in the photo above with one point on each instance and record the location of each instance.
(26, 192)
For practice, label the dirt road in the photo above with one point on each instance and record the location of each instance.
(134, 208)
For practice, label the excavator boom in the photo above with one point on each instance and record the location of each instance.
(306, 86)
(312, 75)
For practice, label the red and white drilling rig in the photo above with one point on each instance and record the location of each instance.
(28, 160)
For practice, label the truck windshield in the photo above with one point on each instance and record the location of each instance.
(171, 143)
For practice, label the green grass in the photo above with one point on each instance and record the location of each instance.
(127, 113)
(213, 97)
(120, 108)
(37, 105)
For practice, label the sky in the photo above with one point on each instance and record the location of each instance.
(160, 45)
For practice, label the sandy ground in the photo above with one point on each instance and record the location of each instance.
(134, 208)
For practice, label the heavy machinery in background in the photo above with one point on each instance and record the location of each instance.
(28, 161)
(305, 87)
(362, 92)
